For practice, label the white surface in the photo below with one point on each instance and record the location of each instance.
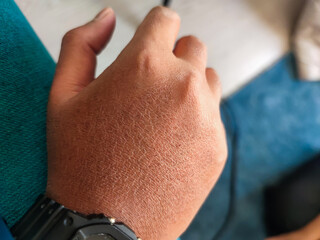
(243, 36)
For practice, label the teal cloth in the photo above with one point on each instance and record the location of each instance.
(26, 72)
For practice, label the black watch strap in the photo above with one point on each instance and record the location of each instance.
(48, 220)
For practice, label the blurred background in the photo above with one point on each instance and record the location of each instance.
(244, 37)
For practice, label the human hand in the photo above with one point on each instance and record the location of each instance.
(143, 142)
(310, 232)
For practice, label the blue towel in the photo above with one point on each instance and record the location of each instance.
(4, 231)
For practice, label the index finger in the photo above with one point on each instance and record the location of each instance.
(159, 29)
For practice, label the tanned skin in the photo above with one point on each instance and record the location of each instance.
(144, 141)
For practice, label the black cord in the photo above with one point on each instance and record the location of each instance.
(166, 3)
(231, 124)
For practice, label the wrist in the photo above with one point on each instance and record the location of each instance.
(48, 219)
(144, 225)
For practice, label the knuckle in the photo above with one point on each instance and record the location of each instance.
(157, 10)
(71, 36)
(192, 83)
(212, 73)
(214, 81)
(193, 76)
(194, 42)
(163, 12)
(144, 61)
(218, 87)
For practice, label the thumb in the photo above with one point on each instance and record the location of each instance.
(77, 60)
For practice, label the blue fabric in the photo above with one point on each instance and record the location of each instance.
(277, 118)
(4, 231)
(278, 126)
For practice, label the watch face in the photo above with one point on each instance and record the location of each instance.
(101, 232)
(100, 237)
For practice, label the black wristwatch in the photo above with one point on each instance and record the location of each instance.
(49, 220)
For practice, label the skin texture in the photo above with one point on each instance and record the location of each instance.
(309, 232)
(143, 142)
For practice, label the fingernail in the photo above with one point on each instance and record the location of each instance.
(105, 12)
